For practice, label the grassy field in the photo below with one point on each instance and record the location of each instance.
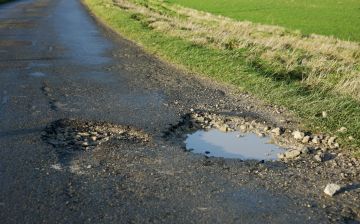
(329, 17)
(181, 36)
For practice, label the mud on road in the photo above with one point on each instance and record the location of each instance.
(92, 130)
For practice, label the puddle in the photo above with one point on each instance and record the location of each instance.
(232, 145)
(37, 74)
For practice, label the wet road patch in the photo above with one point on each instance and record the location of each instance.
(232, 145)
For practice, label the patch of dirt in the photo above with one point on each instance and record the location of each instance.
(16, 24)
(14, 43)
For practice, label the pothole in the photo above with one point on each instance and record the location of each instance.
(71, 136)
(234, 144)
(85, 135)
(217, 135)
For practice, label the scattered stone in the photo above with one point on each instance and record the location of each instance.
(332, 189)
(351, 138)
(290, 154)
(331, 140)
(224, 128)
(298, 135)
(243, 127)
(93, 138)
(83, 134)
(319, 157)
(324, 114)
(281, 155)
(316, 140)
(306, 139)
(56, 167)
(277, 131)
(342, 129)
(305, 150)
(323, 150)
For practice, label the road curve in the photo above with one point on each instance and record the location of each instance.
(56, 62)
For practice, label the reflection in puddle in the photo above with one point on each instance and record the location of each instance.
(232, 145)
(37, 74)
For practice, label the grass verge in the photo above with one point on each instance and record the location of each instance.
(327, 17)
(227, 66)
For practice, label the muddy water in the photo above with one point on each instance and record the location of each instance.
(232, 145)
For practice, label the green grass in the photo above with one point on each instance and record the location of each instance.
(230, 67)
(340, 18)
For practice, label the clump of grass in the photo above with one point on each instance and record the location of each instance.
(317, 61)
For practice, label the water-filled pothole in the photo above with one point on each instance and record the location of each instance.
(234, 144)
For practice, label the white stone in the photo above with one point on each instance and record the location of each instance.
(331, 140)
(316, 140)
(56, 167)
(306, 139)
(276, 131)
(292, 153)
(298, 134)
(324, 114)
(281, 155)
(331, 189)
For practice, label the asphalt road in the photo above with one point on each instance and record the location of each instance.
(57, 62)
